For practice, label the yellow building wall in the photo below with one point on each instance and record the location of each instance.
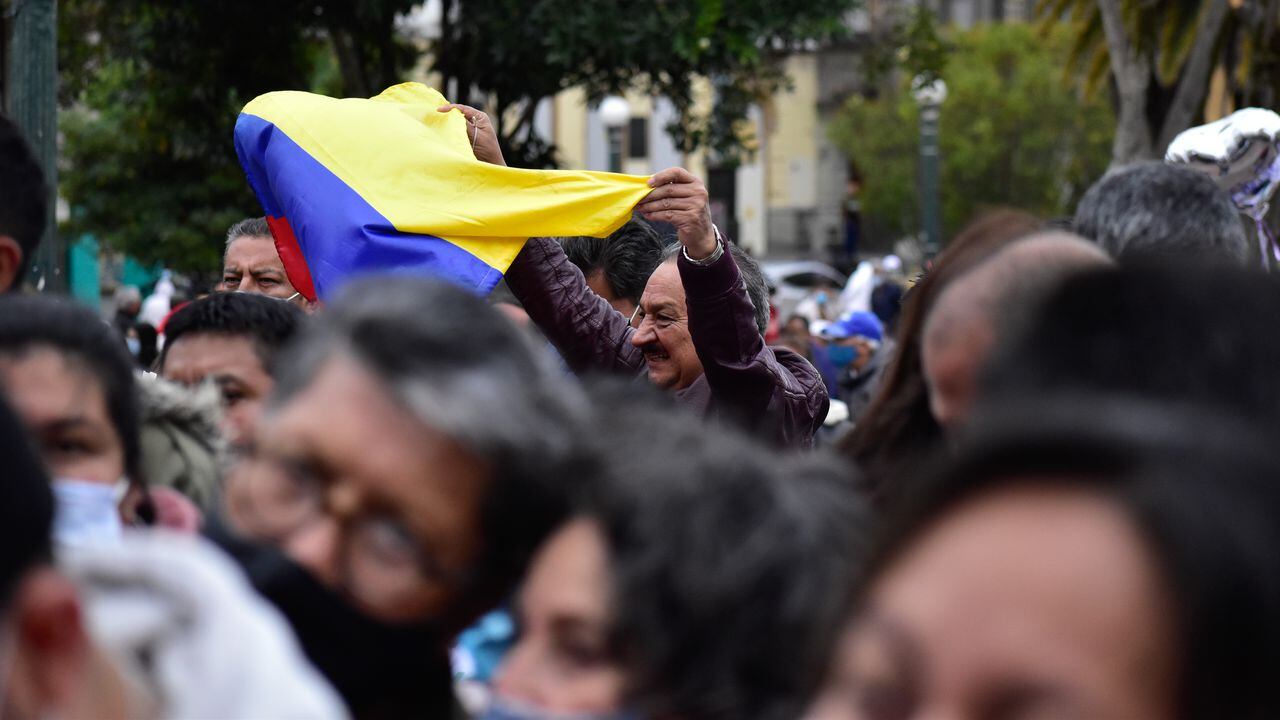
(791, 146)
(571, 127)
(703, 95)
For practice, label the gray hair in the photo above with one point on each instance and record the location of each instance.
(461, 368)
(248, 227)
(752, 279)
(1164, 210)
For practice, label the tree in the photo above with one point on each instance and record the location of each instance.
(1012, 133)
(150, 93)
(1160, 56)
(508, 55)
(151, 88)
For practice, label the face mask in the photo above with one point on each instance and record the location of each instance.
(842, 355)
(86, 513)
(502, 709)
(382, 670)
(134, 345)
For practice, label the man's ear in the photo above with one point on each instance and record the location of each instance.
(10, 263)
(53, 653)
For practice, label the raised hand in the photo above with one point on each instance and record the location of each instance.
(680, 198)
(484, 139)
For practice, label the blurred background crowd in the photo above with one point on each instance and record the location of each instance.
(932, 378)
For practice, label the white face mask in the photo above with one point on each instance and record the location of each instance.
(87, 513)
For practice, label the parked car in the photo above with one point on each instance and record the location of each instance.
(794, 279)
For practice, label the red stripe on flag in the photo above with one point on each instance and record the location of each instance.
(295, 264)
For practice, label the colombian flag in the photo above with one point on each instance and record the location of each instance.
(389, 184)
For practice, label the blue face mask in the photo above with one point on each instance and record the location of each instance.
(86, 513)
(842, 356)
(134, 345)
(502, 709)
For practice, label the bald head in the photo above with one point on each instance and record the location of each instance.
(989, 302)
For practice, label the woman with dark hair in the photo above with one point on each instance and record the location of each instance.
(1099, 559)
(71, 380)
(699, 579)
(898, 426)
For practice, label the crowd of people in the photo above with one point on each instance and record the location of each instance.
(1043, 485)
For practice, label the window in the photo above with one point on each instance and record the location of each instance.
(638, 138)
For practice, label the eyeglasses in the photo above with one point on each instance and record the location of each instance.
(637, 313)
(280, 497)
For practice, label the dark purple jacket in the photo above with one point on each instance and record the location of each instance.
(773, 392)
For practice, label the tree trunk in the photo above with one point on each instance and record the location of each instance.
(443, 62)
(1132, 73)
(1188, 100)
(353, 79)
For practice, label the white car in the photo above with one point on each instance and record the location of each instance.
(794, 279)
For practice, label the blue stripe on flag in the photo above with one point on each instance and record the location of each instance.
(341, 235)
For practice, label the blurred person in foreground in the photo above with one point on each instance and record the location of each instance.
(699, 582)
(1154, 210)
(898, 427)
(251, 264)
(180, 441)
(148, 627)
(1089, 558)
(71, 381)
(23, 205)
(989, 303)
(1171, 333)
(405, 468)
(232, 340)
(618, 267)
(698, 330)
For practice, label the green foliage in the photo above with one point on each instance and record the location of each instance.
(1012, 133)
(922, 51)
(1164, 31)
(513, 53)
(1248, 45)
(150, 93)
(150, 89)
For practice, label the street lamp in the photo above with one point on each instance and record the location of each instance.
(929, 95)
(614, 113)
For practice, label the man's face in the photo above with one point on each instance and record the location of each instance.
(662, 331)
(233, 364)
(376, 505)
(862, 350)
(252, 265)
(600, 286)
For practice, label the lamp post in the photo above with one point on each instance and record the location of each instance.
(614, 113)
(929, 95)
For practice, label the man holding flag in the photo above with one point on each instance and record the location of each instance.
(406, 183)
(699, 329)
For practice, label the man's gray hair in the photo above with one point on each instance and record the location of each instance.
(449, 359)
(1154, 209)
(248, 227)
(752, 279)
